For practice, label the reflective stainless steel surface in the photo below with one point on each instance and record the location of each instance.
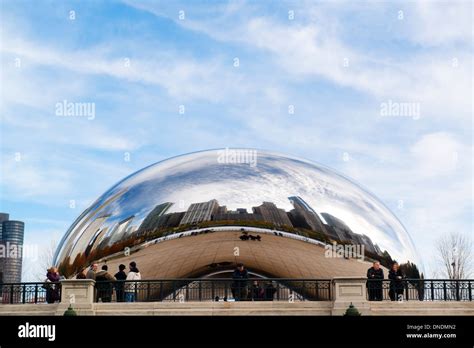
(303, 198)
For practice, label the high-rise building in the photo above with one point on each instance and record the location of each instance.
(336, 228)
(304, 216)
(198, 212)
(271, 213)
(368, 244)
(11, 248)
(236, 215)
(152, 219)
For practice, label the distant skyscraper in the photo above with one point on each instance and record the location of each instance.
(304, 216)
(336, 228)
(271, 213)
(11, 247)
(152, 219)
(198, 212)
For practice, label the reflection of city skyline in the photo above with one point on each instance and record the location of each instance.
(280, 193)
(299, 219)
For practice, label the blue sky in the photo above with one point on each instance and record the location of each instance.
(335, 62)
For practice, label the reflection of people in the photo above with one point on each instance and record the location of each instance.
(375, 282)
(396, 282)
(103, 284)
(239, 285)
(120, 275)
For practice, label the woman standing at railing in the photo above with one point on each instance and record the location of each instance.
(396, 282)
(130, 288)
(52, 290)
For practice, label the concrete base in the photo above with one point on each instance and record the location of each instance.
(323, 308)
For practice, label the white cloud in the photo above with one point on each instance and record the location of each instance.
(183, 78)
(437, 154)
(310, 49)
(435, 23)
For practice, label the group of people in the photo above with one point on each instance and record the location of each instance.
(106, 283)
(375, 279)
(241, 291)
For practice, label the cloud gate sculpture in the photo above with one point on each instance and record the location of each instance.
(199, 214)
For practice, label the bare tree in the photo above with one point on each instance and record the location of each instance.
(46, 257)
(455, 255)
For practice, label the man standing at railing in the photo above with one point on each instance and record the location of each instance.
(119, 286)
(91, 272)
(104, 284)
(375, 282)
(239, 286)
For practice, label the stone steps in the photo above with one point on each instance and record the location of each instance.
(213, 308)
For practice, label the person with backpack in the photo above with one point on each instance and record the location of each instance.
(104, 285)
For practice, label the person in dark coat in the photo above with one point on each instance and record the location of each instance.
(396, 282)
(119, 286)
(52, 290)
(256, 292)
(104, 285)
(269, 292)
(239, 285)
(375, 282)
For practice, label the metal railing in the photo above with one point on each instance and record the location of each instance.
(420, 290)
(42, 292)
(214, 289)
(253, 289)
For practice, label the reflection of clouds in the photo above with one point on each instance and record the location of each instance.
(198, 177)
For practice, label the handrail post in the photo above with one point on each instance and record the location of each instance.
(11, 294)
(407, 289)
(36, 293)
(470, 290)
(174, 290)
(457, 290)
(445, 291)
(23, 294)
(161, 290)
(432, 291)
(200, 290)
